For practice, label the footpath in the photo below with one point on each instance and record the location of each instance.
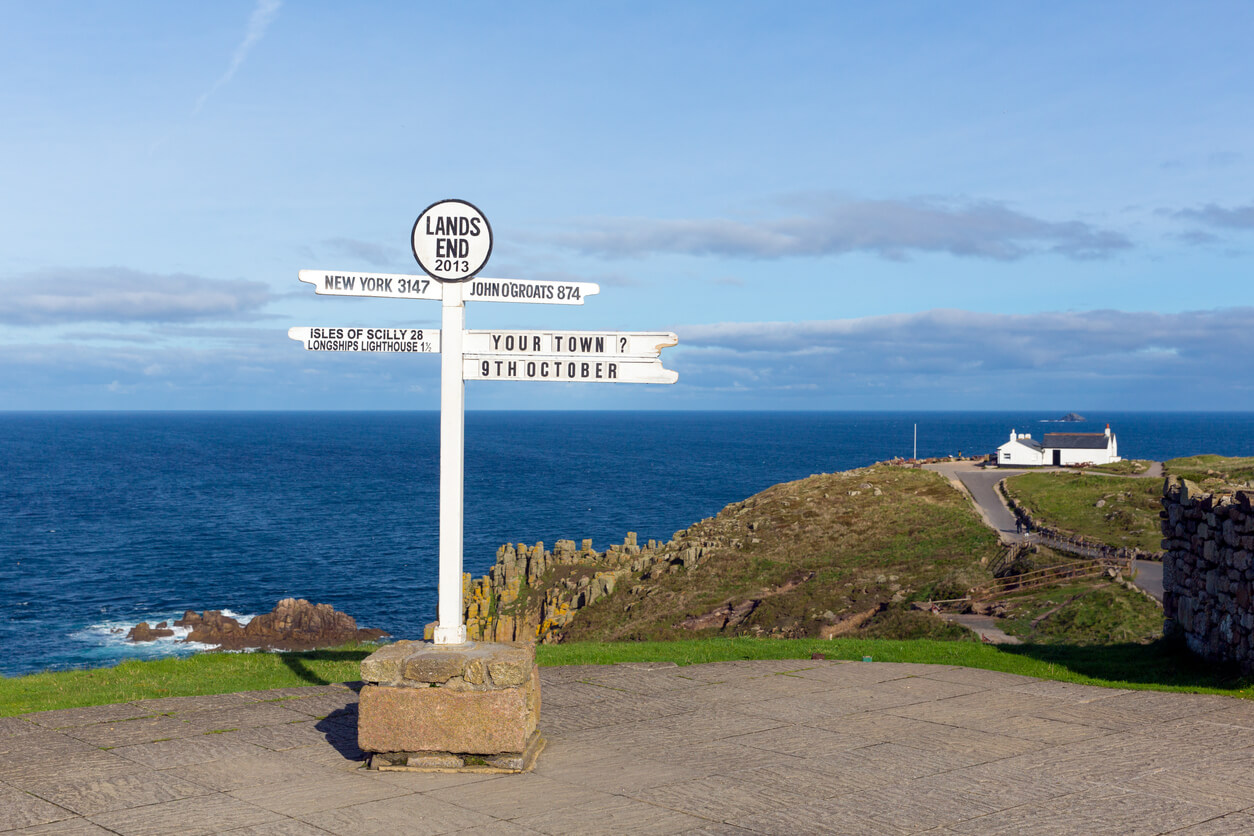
(981, 485)
(794, 747)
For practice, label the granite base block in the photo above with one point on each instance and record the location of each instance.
(427, 707)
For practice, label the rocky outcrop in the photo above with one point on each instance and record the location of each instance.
(531, 593)
(293, 624)
(143, 632)
(1208, 570)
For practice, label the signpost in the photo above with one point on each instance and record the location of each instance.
(452, 241)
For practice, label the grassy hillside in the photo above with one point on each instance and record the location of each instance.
(1119, 512)
(834, 554)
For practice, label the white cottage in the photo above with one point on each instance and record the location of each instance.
(1058, 449)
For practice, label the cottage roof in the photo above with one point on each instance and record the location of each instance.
(1077, 441)
(1026, 442)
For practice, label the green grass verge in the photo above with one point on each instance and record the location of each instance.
(1161, 665)
(1211, 471)
(1123, 467)
(1118, 512)
(203, 673)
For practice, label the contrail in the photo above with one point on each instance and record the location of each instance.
(257, 24)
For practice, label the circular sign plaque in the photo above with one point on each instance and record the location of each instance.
(452, 241)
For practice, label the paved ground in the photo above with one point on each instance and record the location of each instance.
(792, 747)
(986, 627)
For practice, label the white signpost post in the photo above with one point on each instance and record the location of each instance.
(452, 242)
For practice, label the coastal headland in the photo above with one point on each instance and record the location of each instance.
(863, 552)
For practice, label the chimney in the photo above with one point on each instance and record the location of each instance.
(1108, 429)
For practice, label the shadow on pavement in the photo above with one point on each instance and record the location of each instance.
(1162, 662)
(298, 662)
(340, 729)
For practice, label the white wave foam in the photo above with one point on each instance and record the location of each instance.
(110, 637)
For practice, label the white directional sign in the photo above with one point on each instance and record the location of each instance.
(452, 240)
(528, 290)
(569, 343)
(565, 370)
(386, 285)
(392, 340)
(400, 286)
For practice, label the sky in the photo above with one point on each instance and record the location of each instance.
(834, 205)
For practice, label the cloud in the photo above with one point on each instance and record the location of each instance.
(1152, 355)
(1224, 159)
(116, 294)
(266, 371)
(938, 359)
(887, 228)
(263, 15)
(1239, 217)
(955, 340)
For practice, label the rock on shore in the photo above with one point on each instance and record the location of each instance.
(293, 624)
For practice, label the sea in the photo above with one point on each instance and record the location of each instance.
(111, 518)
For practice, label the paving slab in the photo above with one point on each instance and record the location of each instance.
(781, 746)
(413, 815)
(14, 726)
(21, 809)
(186, 817)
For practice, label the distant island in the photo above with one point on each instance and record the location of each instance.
(1070, 417)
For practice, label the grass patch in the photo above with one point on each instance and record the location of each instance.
(1084, 613)
(901, 622)
(1211, 471)
(203, 673)
(1118, 512)
(1123, 467)
(1160, 665)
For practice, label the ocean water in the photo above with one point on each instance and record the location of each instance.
(107, 519)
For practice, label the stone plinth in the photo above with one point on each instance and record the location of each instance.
(467, 707)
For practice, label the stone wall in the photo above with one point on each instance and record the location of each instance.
(1208, 568)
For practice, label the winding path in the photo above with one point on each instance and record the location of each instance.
(981, 485)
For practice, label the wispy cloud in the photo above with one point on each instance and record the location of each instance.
(891, 229)
(1158, 357)
(116, 294)
(955, 340)
(263, 15)
(1237, 217)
